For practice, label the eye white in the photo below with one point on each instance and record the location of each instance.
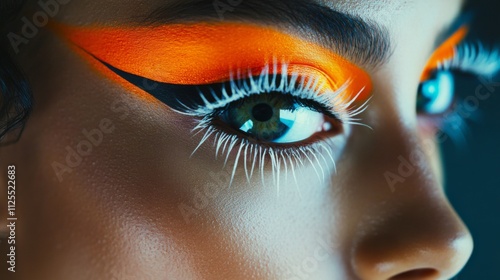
(302, 123)
(439, 93)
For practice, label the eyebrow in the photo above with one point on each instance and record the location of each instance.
(363, 42)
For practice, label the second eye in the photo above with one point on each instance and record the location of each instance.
(436, 95)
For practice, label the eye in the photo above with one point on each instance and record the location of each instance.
(282, 116)
(278, 118)
(436, 94)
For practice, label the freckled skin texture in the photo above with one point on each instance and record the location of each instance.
(117, 214)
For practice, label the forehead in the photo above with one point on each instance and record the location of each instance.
(401, 14)
(385, 12)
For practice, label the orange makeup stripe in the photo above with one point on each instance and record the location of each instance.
(203, 53)
(445, 52)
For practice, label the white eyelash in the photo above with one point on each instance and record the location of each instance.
(474, 58)
(255, 156)
(308, 88)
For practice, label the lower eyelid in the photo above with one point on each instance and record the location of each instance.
(239, 153)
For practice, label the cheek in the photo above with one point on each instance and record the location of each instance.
(109, 195)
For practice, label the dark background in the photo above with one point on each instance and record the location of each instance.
(473, 172)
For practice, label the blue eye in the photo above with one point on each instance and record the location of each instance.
(435, 96)
(276, 118)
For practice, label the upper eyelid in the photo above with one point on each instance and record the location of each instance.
(187, 98)
(121, 48)
(445, 51)
(466, 56)
(199, 53)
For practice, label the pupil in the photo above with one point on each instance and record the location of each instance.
(262, 112)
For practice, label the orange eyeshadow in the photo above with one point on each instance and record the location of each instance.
(445, 52)
(204, 53)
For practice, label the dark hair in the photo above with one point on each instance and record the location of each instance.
(16, 98)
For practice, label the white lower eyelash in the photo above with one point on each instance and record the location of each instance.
(474, 58)
(255, 156)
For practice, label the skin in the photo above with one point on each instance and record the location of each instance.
(116, 215)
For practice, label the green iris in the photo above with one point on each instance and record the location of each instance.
(260, 115)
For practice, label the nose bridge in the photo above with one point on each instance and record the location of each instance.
(407, 160)
(393, 157)
(407, 228)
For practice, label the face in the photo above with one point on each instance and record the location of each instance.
(319, 162)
